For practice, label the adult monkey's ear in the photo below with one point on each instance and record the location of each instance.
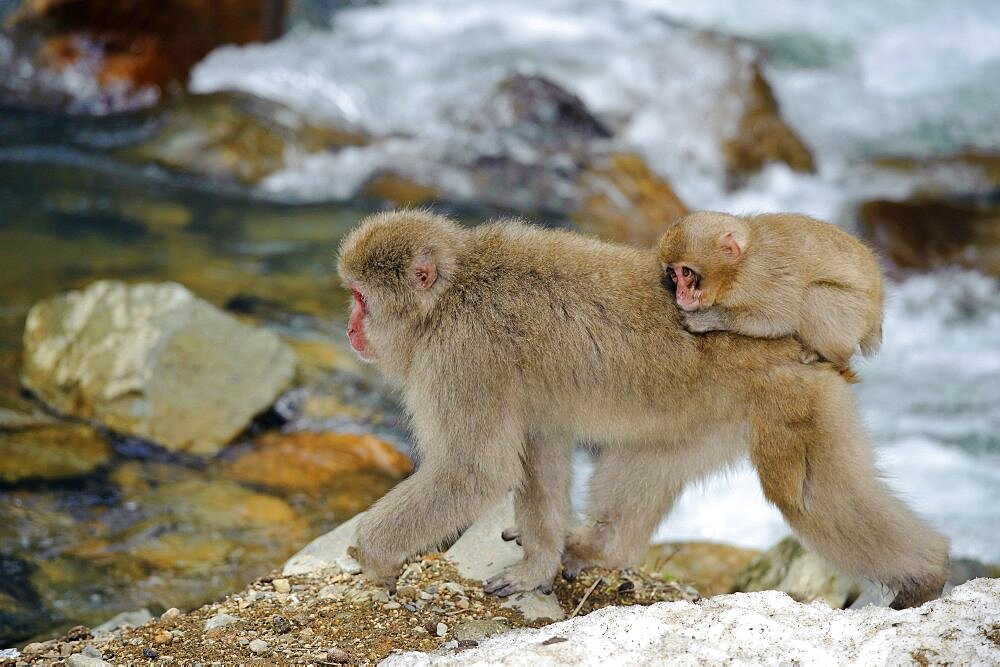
(423, 271)
(730, 246)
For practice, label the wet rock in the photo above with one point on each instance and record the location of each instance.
(711, 568)
(101, 56)
(235, 137)
(533, 113)
(50, 452)
(155, 361)
(126, 619)
(974, 170)
(762, 135)
(789, 567)
(311, 461)
(21, 613)
(399, 190)
(925, 232)
(622, 200)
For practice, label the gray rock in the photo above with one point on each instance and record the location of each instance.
(326, 551)
(220, 621)
(81, 660)
(126, 619)
(480, 553)
(789, 567)
(155, 361)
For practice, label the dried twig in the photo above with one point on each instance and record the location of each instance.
(586, 595)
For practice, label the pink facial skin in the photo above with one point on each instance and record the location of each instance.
(356, 326)
(687, 295)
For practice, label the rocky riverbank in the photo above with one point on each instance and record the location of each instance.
(319, 610)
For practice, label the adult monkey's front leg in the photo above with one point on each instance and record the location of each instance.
(463, 473)
(541, 506)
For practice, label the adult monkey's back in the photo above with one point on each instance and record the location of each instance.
(512, 342)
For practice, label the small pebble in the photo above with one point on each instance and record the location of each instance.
(419, 630)
(337, 655)
(163, 637)
(307, 632)
(391, 605)
(282, 585)
(92, 652)
(380, 595)
(462, 603)
(442, 629)
(242, 641)
(170, 614)
(150, 653)
(281, 624)
(424, 595)
(260, 646)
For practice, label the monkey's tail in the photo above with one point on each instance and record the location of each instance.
(872, 341)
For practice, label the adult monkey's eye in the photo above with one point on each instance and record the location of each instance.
(686, 272)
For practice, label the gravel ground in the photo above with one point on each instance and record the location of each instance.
(334, 618)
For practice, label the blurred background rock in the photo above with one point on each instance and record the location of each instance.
(217, 151)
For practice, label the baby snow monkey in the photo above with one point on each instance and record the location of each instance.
(776, 275)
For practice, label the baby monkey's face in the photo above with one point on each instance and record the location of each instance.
(687, 286)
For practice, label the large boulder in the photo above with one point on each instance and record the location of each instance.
(926, 232)
(155, 361)
(234, 137)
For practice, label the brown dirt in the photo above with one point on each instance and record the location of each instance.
(332, 617)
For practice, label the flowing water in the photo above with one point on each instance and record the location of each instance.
(857, 79)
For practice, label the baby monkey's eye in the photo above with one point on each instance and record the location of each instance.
(686, 272)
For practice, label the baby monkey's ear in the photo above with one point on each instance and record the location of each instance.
(423, 271)
(731, 247)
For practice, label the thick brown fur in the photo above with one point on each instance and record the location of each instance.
(531, 340)
(795, 276)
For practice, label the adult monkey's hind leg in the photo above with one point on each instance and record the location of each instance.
(815, 463)
(631, 491)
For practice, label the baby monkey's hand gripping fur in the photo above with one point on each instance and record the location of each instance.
(511, 343)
